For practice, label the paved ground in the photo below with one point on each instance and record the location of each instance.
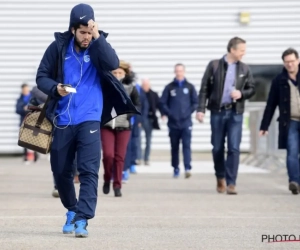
(156, 211)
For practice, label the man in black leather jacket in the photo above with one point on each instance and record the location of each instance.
(225, 86)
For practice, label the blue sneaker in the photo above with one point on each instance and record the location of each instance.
(80, 231)
(125, 177)
(69, 227)
(176, 172)
(132, 169)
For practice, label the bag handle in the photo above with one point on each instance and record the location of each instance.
(43, 112)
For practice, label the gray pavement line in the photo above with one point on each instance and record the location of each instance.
(160, 217)
(281, 187)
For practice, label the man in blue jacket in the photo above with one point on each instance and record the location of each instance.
(80, 57)
(178, 102)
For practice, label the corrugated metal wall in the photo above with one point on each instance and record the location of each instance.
(153, 35)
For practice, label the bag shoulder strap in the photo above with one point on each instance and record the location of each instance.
(42, 114)
(215, 65)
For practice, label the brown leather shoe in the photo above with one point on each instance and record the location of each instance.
(231, 189)
(221, 185)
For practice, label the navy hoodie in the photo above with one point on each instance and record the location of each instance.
(103, 84)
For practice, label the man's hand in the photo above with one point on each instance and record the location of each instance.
(61, 90)
(200, 116)
(25, 107)
(236, 94)
(93, 26)
(262, 133)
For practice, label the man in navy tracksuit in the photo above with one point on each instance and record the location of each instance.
(178, 102)
(82, 58)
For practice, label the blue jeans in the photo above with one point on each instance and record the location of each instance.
(148, 134)
(135, 143)
(184, 135)
(130, 156)
(226, 123)
(138, 142)
(292, 158)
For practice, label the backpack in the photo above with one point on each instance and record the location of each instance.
(215, 65)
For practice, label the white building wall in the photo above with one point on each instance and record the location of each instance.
(153, 35)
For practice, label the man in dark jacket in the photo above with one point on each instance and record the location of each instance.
(226, 84)
(136, 135)
(80, 57)
(150, 120)
(140, 119)
(178, 102)
(134, 141)
(284, 93)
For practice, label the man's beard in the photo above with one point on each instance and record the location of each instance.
(79, 45)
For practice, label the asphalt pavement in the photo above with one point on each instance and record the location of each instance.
(156, 211)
